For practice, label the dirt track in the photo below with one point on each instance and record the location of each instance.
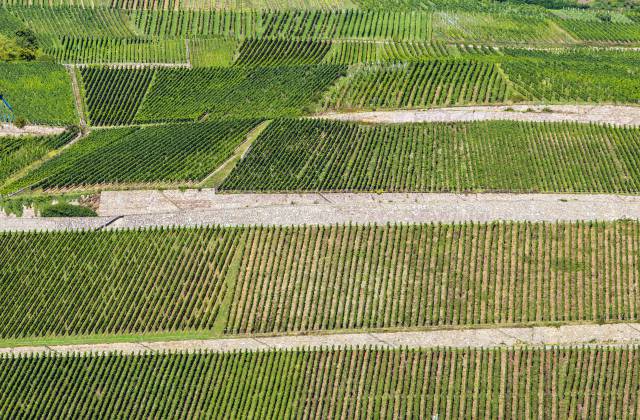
(610, 114)
(609, 334)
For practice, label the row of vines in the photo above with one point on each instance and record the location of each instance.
(173, 153)
(411, 85)
(313, 278)
(591, 382)
(321, 155)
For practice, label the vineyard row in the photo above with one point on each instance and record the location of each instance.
(559, 383)
(313, 278)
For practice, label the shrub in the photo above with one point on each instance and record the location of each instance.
(66, 210)
(20, 122)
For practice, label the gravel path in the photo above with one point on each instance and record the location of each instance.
(29, 130)
(612, 114)
(609, 334)
(192, 208)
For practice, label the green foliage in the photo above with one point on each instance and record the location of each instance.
(16, 205)
(39, 92)
(355, 276)
(427, 84)
(180, 94)
(183, 153)
(214, 52)
(542, 382)
(298, 24)
(266, 52)
(375, 383)
(95, 50)
(310, 155)
(599, 27)
(113, 95)
(17, 153)
(566, 76)
(496, 28)
(66, 210)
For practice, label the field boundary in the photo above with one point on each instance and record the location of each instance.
(566, 335)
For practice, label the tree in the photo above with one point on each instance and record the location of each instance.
(28, 42)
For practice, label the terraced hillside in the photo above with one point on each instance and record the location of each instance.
(200, 302)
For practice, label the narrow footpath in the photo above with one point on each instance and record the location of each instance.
(568, 335)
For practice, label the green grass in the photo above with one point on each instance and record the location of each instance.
(418, 85)
(176, 153)
(328, 383)
(317, 155)
(276, 279)
(39, 92)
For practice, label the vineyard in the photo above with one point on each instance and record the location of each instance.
(74, 21)
(312, 155)
(266, 52)
(284, 279)
(499, 28)
(368, 53)
(175, 153)
(566, 76)
(593, 382)
(39, 92)
(119, 50)
(221, 126)
(179, 94)
(16, 153)
(349, 24)
(432, 83)
(113, 96)
(611, 27)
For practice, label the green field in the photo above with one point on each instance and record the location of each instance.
(39, 92)
(285, 279)
(320, 155)
(16, 153)
(237, 96)
(179, 94)
(363, 383)
(418, 85)
(93, 50)
(174, 153)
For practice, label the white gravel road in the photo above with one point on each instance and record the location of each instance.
(611, 114)
(192, 208)
(29, 130)
(567, 335)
